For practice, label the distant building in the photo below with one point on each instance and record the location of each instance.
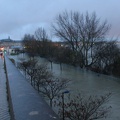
(15, 49)
(6, 44)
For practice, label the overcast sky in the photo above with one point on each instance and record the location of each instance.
(18, 17)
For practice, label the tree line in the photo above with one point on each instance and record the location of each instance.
(42, 79)
(83, 42)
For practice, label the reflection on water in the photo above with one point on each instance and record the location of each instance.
(89, 83)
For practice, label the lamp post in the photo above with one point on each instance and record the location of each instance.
(63, 101)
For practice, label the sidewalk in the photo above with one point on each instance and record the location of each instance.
(4, 110)
(27, 104)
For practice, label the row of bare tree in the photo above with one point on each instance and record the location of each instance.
(75, 107)
(83, 40)
(43, 80)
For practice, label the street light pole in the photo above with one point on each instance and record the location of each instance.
(63, 105)
(63, 102)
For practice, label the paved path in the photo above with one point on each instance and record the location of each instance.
(4, 111)
(26, 102)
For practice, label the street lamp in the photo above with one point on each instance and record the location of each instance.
(65, 92)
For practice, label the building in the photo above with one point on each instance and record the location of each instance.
(8, 44)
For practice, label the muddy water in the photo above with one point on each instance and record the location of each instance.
(88, 83)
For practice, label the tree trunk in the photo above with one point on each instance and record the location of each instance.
(51, 103)
(51, 65)
(60, 66)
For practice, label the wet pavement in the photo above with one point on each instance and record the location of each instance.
(27, 104)
(4, 109)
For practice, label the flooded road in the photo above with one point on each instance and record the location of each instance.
(88, 83)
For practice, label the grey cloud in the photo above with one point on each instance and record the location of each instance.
(18, 17)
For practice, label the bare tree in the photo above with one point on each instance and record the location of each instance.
(41, 75)
(80, 108)
(27, 65)
(40, 34)
(24, 66)
(53, 88)
(31, 69)
(29, 42)
(64, 28)
(43, 42)
(93, 31)
(80, 32)
(108, 54)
